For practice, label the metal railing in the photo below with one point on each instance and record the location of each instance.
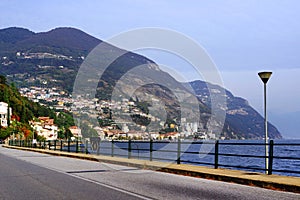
(220, 153)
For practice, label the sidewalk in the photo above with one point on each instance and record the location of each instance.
(276, 182)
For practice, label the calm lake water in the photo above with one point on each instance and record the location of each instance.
(201, 154)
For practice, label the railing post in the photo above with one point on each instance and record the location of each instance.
(69, 145)
(76, 146)
(61, 145)
(151, 149)
(44, 144)
(86, 146)
(178, 150)
(54, 145)
(129, 148)
(49, 144)
(112, 148)
(216, 154)
(270, 167)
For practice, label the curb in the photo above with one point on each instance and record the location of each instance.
(275, 182)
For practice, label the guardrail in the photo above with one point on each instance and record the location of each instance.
(180, 152)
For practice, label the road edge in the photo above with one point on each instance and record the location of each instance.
(274, 182)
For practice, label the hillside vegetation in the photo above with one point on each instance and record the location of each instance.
(24, 110)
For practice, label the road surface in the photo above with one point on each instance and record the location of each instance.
(29, 175)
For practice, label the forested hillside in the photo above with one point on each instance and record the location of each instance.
(24, 110)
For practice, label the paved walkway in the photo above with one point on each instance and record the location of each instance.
(276, 182)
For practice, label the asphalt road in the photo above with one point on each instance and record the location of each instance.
(29, 175)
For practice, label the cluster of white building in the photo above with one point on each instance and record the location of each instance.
(96, 108)
(43, 126)
(50, 95)
(41, 55)
(46, 128)
(124, 127)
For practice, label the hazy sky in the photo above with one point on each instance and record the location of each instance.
(241, 36)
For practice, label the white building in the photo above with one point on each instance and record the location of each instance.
(75, 131)
(125, 128)
(45, 127)
(4, 114)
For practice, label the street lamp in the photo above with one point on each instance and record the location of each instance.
(265, 76)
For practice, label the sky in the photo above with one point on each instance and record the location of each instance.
(242, 37)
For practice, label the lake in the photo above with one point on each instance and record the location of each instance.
(202, 153)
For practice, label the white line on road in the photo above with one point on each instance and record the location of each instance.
(113, 187)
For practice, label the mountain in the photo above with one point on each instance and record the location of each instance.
(52, 59)
(241, 118)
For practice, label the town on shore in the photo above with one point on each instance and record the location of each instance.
(59, 100)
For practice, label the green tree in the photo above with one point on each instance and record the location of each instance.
(4, 133)
(68, 134)
(87, 131)
(23, 114)
(2, 79)
(64, 120)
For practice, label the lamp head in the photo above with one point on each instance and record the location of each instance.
(264, 76)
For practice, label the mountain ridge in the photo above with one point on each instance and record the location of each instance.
(28, 41)
(14, 34)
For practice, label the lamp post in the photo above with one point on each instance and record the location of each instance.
(265, 76)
